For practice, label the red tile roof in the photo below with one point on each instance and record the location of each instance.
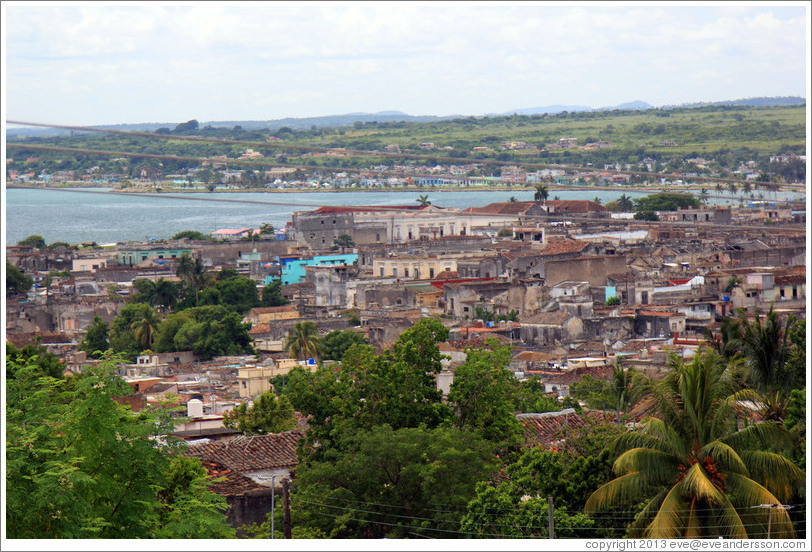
(502, 208)
(561, 247)
(549, 429)
(253, 452)
(332, 209)
(574, 206)
(231, 483)
(268, 310)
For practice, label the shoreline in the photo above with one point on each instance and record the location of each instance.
(159, 190)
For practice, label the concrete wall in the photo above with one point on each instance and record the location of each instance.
(590, 269)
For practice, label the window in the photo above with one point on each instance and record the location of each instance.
(406, 272)
(381, 271)
(395, 272)
(464, 309)
(431, 273)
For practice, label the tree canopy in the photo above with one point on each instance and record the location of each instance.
(81, 465)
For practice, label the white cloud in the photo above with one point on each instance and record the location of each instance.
(212, 59)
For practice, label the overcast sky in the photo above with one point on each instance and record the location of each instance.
(105, 64)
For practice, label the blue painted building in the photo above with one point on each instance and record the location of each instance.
(293, 270)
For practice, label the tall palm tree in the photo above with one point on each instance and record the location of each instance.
(700, 474)
(625, 202)
(766, 348)
(192, 272)
(423, 200)
(541, 193)
(145, 326)
(303, 340)
(166, 294)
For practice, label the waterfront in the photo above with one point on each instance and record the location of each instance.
(83, 215)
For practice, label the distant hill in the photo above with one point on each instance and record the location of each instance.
(349, 119)
(553, 109)
(762, 101)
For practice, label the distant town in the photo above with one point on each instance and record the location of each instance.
(417, 370)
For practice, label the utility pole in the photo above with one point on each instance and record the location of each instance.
(286, 507)
(273, 497)
(550, 519)
(771, 507)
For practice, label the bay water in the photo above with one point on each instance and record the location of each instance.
(94, 214)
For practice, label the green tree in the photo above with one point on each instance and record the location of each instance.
(16, 280)
(193, 273)
(96, 341)
(336, 343)
(303, 340)
(232, 290)
(387, 482)
(698, 473)
(191, 235)
(541, 193)
(81, 465)
(272, 295)
(625, 203)
(423, 200)
(343, 241)
(163, 294)
(122, 332)
(145, 326)
(34, 240)
(268, 414)
(646, 215)
(666, 201)
(480, 396)
(517, 505)
(766, 348)
(207, 331)
(35, 356)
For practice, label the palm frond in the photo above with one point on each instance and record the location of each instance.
(646, 515)
(760, 435)
(698, 484)
(725, 457)
(669, 523)
(730, 524)
(659, 467)
(621, 490)
(746, 494)
(776, 473)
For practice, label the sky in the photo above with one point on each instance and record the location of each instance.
(100, 63)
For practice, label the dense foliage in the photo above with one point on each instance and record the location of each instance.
(81, 465)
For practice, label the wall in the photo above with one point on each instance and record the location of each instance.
(591, 269)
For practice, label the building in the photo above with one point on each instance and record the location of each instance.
(264, 315)
(132, 254)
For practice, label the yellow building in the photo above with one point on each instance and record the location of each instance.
(263, 315)
(412, 267)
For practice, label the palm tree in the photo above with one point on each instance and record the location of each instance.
(192, 272)
(165, 294)
(145, 326)
(541, 193)
(766, 349)
(621, 388)
(513, 199)
(303, 340)
(423, 200)
(625, 203)
(700, 474)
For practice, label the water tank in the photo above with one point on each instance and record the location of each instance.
(194, 408)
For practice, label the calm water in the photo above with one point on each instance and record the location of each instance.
(84, 215)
